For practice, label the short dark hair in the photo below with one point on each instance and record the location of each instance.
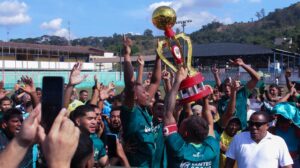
(81, 91)
(274, 86)
(80, 111)
(5, 99)
(197, 129)
(266, 115)
(84, 149)
(11, 113)
(38, 89)
(117, 108)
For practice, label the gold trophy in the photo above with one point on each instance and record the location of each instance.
(192, 88)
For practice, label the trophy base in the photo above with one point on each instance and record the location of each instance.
(192, 89)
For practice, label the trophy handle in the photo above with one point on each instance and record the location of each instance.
(159, 51)
(186, 38)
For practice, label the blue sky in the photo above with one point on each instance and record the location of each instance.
(33, 18)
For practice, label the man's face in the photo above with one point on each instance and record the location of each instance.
(232, 128)
(13, 125)
(258, 126)
(39, 94)
(158, 112)
(273, 91)
(115, 120)
(5, 105)
(141, 96)
(226, 89)
(98, 115)
(88, 122)
(83, 96)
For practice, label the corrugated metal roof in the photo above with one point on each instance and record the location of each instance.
(71, 49)
(228, 49)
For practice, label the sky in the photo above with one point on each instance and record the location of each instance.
(84, 18)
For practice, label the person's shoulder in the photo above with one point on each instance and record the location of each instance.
(275, 137)
(242, 136)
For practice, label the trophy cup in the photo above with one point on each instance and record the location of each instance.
(191, 88)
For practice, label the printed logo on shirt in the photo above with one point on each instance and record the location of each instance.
(196, 165)
(197, 155)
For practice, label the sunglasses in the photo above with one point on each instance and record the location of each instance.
(256, 124)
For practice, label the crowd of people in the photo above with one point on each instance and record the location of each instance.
(238, 125)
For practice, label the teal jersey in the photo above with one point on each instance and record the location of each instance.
(188, 155)
(240, 107)
(99, 148)
(160, 159)
(138, 136)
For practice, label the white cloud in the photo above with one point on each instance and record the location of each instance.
(55, 28)
(54, 24)
(13, 13)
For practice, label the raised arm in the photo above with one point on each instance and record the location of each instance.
(170, 99)
(167, 80)
(231, 105)
(208, 116)
(254, 75)
(141, 64)
(30, 89)
(128, 73)
(156, 77)
(216, 74)
(96, 90)
(74, 79)
(287, 75)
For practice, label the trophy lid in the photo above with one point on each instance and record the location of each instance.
(164, 17)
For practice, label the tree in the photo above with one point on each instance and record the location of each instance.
(258, 15)
(262, 13)
(148, 33)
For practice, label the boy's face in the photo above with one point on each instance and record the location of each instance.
(5, 105)
(13, 125)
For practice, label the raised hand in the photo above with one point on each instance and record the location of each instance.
(4, 93)
(140, 60)
(75, 77)
(181, 74)
(28, 84)
(60, 144)
(235, 85)
(127, 43)
(214, 69)
(288, 73)
(97, 84)
(238, 62)
(166, 75)
(30, 128)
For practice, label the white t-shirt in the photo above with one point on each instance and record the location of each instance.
(270, 152)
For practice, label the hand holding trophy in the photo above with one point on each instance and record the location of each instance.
(191, 88)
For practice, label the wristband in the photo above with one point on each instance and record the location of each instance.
(170, 129)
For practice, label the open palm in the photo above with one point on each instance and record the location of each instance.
(75, 77)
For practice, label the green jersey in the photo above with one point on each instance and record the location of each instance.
(240, 107)
(99, 148)
(160, 152)
(188, 155)
(139, 136)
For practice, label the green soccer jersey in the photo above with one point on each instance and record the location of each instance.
(99, 148)
(240, 107)
(139, 136)
(188, 155)
(160, 160)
